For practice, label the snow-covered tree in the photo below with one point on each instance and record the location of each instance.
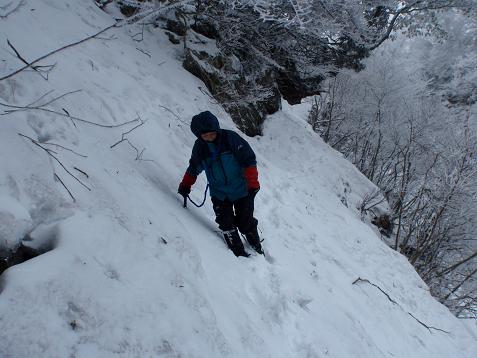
(398, 129)
(285, 48)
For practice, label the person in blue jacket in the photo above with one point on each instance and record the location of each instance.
(231, 169)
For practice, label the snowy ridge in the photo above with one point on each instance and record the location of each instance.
(133, 274)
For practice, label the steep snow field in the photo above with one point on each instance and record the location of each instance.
(133, 273)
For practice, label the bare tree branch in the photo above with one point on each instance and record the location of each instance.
(34, 68)
(81, 171)
(460, 284)
(359, 279)
(425, 325)
(144, 52)
(68, 190)
(124, 139)
(19, 5)
(174, 114)
(143, 15)
(139, 33)
(40, 98)
(30, 64)
(457, 264)
(40, 107)
(51, 154)
(62, 147)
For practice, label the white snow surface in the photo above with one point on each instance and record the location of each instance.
(133, 273)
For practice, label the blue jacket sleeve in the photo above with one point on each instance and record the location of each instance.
(195, 165)
(241, 150)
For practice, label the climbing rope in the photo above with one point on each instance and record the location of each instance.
(193, 202)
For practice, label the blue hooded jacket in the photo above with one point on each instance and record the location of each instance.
(223, 160)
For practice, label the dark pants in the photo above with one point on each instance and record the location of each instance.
(238, 214)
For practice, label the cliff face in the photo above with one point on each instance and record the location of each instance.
(249, 65)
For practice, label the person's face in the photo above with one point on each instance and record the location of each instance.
(209, 136)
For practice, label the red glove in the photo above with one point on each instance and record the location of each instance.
(251, 176)
(187, 181)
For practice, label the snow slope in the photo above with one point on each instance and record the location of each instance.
(133, 274)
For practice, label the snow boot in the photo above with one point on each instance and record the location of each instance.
(234, 243)
(254, 241)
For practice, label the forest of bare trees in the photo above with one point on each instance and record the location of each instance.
(399, 122)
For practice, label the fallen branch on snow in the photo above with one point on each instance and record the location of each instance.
(359, 279)
(52, 153)
(134, 19)
(124, 139)
(19, 5)
(173, 113)
(41, 107)
(38, 69)
(30, 64)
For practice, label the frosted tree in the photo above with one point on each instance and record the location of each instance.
(286, 48)
(390, 121)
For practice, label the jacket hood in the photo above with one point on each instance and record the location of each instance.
(204, 122)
